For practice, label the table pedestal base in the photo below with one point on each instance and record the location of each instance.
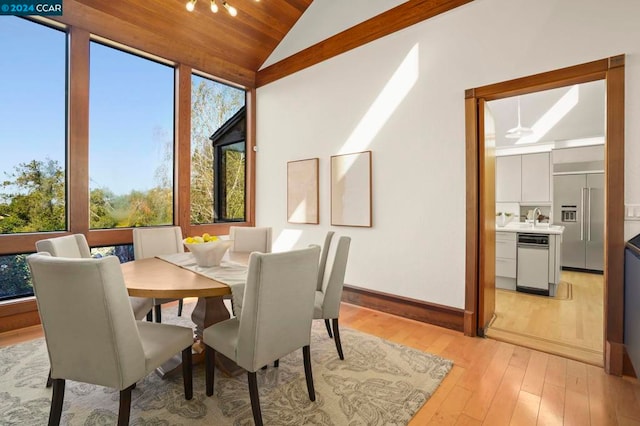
(208, 311)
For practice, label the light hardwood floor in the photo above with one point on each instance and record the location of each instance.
(493, 383)
(573, 327)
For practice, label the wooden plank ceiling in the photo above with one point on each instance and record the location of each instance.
(234, 48)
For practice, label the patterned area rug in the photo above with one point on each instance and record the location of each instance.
(378, 383)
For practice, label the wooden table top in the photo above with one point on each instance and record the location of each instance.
(154, 277)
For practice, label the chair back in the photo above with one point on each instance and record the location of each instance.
(151, 242)
(277, 308)
(333, 279)
(323, 259)
(88, 324)
(75, 246)
(249, 239)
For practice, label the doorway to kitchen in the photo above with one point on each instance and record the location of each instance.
(549, 176)
(480, 297)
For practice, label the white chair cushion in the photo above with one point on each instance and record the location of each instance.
(161, 341)
(225, 334)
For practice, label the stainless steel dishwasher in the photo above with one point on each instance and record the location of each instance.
(533, 263)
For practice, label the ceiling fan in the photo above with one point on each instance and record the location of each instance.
(519, 131)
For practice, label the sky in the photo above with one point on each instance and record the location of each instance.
(131, 107)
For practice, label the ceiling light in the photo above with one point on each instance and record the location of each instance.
(518, 131)
(553, 116)
(232, 10)
(191, 5)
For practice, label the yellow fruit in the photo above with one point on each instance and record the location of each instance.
(214, 238)
(198, 240)
(206, 237)
(189, 240)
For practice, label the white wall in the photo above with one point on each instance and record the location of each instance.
(403, 98)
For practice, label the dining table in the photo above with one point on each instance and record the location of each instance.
(177, 277)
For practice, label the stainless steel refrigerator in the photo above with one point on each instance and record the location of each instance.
(578, 205)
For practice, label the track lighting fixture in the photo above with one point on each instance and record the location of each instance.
(232, 10)
(191, 5)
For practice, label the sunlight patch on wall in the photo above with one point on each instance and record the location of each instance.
(286, 240)
(300, 213)
(396, 89)
(553, 116)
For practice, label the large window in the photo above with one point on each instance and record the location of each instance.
(33, 109)
(217, 114)
(131, 139)
(131, 146)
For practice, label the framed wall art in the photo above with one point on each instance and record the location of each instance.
(302, 191)
(351, 189)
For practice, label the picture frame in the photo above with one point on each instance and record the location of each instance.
(303, 199)
(351, 189)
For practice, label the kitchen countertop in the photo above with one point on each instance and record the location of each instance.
(542, 228)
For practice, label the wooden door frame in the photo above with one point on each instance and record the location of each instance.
(611, 70)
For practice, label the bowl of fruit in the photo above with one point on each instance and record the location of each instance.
(208, 250)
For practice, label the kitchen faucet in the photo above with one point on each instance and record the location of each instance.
(536, 216)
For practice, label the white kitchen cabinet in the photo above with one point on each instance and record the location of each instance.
(523, 178)
(506, 266)
(508, 178)
(536, 178)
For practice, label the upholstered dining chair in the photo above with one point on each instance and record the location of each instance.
(329, 292)
(276, 317)
(84, 301)
(247, 240)
(76, 246)
(323, 258)
(250, 239)
(156, 241)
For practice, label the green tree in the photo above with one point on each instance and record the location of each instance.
(212, 104)
(33, 198)
(235, 178)
(101, 209)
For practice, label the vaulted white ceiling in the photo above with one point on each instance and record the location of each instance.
(325, 18)
(569, 113)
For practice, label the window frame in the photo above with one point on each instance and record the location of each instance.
(146, 56)
(219, 201)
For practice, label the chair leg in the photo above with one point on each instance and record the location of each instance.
(276, 363)
(187, 373)
(150, 316)
(125, 406)
(326, 323)
(336, 338)
(306, 354)
(209, 364)
(56, 402)
(49, 380)
(158, 313)
(255, 399)
(180, 307)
